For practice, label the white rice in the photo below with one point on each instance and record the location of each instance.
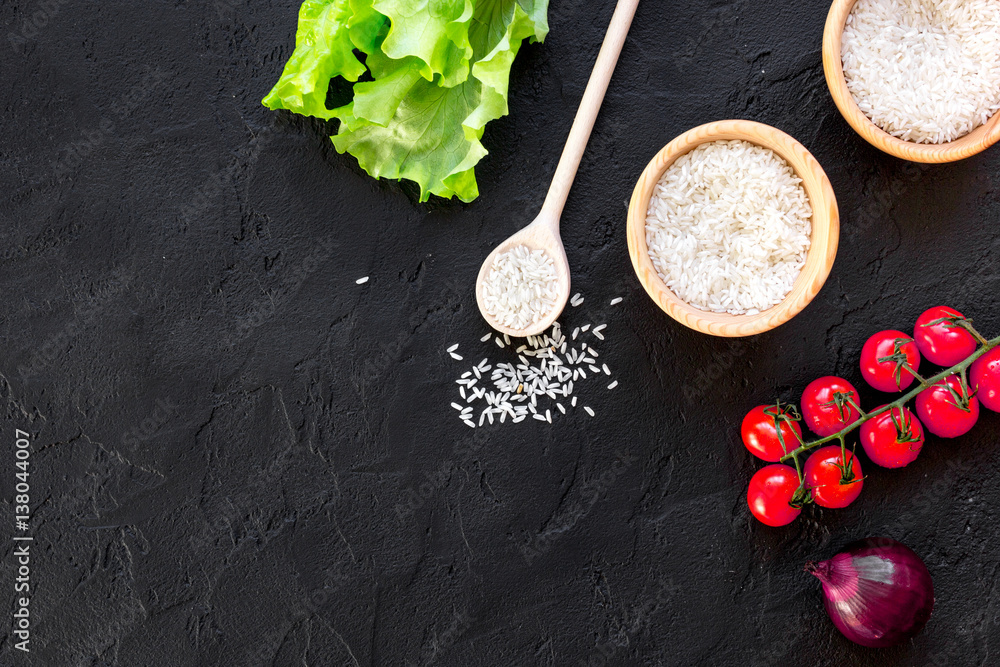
(521, 287)
(728, 227)
(545, 375)
(361, 281)
(926, 71)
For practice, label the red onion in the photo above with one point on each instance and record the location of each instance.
(877, 591)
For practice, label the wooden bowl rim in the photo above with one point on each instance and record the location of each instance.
(824, 239)
(975, 142)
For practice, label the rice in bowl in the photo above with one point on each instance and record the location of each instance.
(728, 227)
(925, 71)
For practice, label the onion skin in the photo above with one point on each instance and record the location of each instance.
(877, 591)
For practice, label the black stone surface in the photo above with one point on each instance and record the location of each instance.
(225, 427)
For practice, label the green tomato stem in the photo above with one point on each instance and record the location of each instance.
(967, 325)
(857, 407)
(960, 368)
(798, 470)
(913, 372)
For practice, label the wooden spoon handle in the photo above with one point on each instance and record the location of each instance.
(590, 106)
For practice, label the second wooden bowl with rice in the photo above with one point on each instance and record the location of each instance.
(743, 224)
(917, 79)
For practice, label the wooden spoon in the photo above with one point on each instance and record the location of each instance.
(543, 233)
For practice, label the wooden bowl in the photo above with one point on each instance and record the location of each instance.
(822, 250)
(976, 141)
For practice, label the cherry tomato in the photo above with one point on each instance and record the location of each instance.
(947, 409)
(833, 483)
(944, 344)
(893, 439)
(985, 379)
(825, 408)
(772, 495)
(897, 348)
(761, 437)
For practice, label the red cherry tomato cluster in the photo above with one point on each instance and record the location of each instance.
(947, 405)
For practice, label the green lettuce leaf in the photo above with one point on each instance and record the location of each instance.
(440, 71)
(323, 51)
(434, 31)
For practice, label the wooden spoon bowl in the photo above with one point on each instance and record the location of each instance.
(542, 234)
(822, 250)
(976, 141)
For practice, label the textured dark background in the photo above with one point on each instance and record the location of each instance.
(225, 425)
